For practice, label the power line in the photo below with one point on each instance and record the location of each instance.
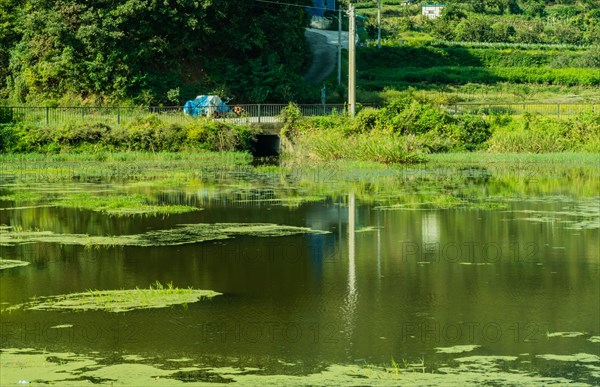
(291, 4)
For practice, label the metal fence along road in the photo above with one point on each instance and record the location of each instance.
(547, 109)
(261, 113)
(243, 113)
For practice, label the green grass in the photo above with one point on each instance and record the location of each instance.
(328, 145)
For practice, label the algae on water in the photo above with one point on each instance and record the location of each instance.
(457, 349)
(71, 369)
(121, 205)
(183, 234)
(10, 263)
(157, 296)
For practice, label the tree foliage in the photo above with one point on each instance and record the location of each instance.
(139, 50)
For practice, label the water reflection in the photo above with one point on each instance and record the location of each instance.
(499, 277)
(351, 300)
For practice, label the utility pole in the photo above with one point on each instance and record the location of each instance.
(339, 69)
(378, 23)
(351, 62)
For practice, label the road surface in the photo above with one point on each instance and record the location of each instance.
(324, 46)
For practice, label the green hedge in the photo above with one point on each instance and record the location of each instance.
(429, 56)
(145, 134)
(464, 75)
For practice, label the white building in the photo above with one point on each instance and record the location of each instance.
(432, 11)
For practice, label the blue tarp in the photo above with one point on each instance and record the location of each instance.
(208, 105)
(320, 6)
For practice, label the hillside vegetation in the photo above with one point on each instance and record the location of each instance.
(142, 52)
(481, 51)
(149, 52)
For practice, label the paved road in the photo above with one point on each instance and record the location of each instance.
(323, 45)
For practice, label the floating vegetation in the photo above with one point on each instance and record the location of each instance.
(24, 207)
(367, 229)
(198, 375)
(445, 202)
(121, 205)
(291, 201)
(581, 216)
(564, 334)
(457, 349)
(594, 339)
(62, 326)
(10, 263)
(70, 369)
(578, 357)
(183, 234)
(156, 296)
(25, 196)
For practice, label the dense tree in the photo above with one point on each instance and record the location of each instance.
(109, 50)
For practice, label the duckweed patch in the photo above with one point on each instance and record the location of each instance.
(565, 334)
(585, 215)
(200, 376)
(156, 296)
(578, 357)
(445, 202)
(10, 263)
(457, 349)
(121, 205)
(22, 197)
(183, 234)
(70, 369)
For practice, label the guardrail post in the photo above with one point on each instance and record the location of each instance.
(558, 109)
(82, 113)
(259, 113)
(119, 115)
(47, 116)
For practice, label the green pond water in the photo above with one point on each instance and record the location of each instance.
(452, 272)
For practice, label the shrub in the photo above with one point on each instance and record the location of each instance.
(366, 120)
(472, 131)
(8, 137)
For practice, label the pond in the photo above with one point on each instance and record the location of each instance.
(457, 271)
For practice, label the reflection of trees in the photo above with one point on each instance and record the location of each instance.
(268, 278)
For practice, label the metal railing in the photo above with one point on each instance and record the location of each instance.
(547, 109)
(241, 113)
(260, 113)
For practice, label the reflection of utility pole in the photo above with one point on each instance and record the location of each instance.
(351, 301)
(339, 78)
(351, 242)
(351, 62)
(378, 23)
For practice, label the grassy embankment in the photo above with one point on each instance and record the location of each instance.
(413, 126)
(402, 131)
